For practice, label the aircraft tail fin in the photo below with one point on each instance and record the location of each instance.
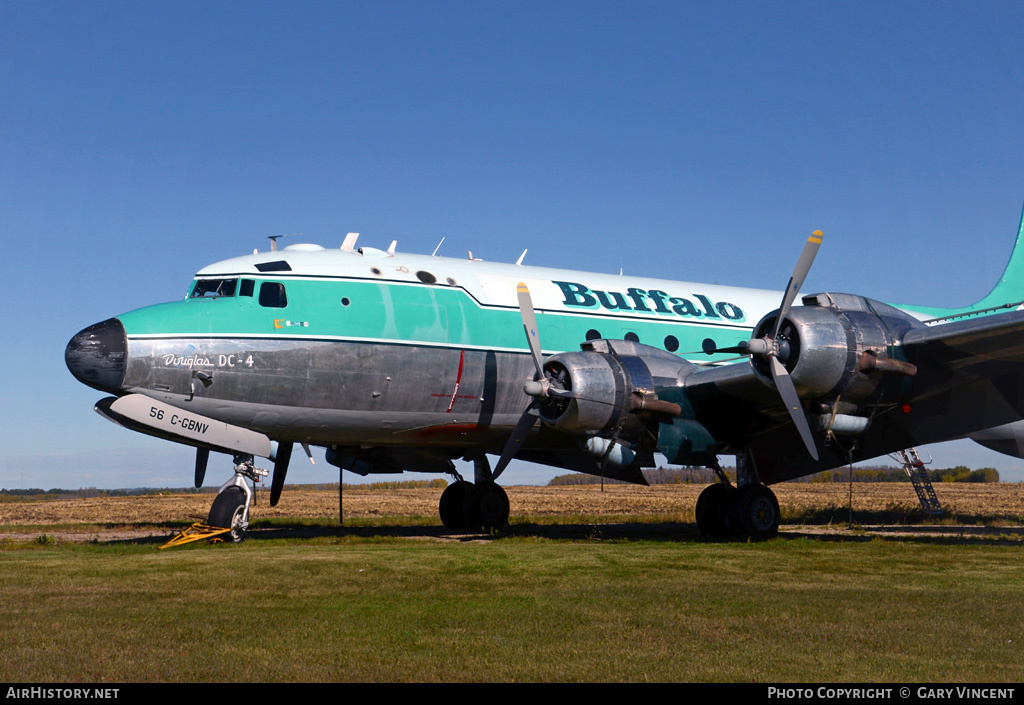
(1010, 287)
(1007, 294)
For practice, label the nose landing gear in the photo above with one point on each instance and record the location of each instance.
(231, 508)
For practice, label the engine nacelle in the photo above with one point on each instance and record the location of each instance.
(835, 344)
(610, 380)
(1007, 439)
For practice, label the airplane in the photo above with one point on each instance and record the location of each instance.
(403, 362)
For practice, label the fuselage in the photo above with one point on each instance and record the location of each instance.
(367, 348)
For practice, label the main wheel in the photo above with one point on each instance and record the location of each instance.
(714, 505)
(453, 504)
(758, 512)
(491, 506)
(228, 512)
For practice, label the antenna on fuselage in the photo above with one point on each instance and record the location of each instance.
(520, 260)
(437, 248)
(273, 240)
(394, 244)
(350, 242)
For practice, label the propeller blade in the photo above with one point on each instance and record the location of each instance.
(803, 266)
(202, 458)
(284, 456)
(784, 385)
(519, 434)
(530, 326)
(719, 362)
(743, 348)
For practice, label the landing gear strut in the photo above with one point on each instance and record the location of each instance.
(231, 508)
(479, 505)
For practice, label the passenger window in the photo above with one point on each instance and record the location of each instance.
(214, 287)
(272, 295)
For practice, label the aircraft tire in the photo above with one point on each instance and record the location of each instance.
(492, 506)
(227, 512)
(757, 509)
(454, 503)
(714, 511)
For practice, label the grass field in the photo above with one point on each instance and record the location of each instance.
(395, 598)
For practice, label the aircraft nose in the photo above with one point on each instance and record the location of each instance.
(98, 355)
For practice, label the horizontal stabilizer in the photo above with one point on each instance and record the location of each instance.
(149, 416)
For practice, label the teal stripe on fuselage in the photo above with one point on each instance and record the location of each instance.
(400, 312)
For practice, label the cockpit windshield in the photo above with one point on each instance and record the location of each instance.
(214, 287)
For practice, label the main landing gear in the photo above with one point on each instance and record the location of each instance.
(723, 511)
(231, 508)
(474, 505)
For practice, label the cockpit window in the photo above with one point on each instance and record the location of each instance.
(214, 287)
(272, 295)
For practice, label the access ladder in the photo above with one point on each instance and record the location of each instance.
(914, 468)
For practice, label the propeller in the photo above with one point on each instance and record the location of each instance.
(771, 347)
(281, 460)
(540, 387)
(536, 388)
(202, 458)
(519, 434)
(544, 388)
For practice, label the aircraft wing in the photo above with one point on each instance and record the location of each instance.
(970, 376)
(971, 346)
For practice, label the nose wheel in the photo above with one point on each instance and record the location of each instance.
(231, 508)
(229, 511)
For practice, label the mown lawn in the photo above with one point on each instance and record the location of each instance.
(513, 609)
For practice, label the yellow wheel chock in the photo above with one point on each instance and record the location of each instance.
(197, 532)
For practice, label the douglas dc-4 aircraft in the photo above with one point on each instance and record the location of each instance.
(394, 362)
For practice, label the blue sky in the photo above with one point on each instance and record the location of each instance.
(685, 140)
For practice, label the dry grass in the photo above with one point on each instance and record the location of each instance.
(800, 503)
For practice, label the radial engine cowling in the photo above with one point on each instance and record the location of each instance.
(609, 380)
(834, 344)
